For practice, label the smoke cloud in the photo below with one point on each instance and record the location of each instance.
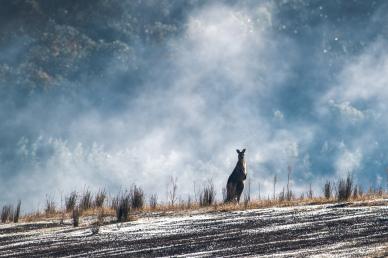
(137, 92)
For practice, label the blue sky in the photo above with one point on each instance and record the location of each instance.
(112, 93)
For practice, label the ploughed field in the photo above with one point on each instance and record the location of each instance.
(337, 230)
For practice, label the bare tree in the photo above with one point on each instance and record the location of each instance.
(197, 192)
(310, 192)
(189, 202)
(274, 186)
(172, 188)
(153, 201)
(387, 179)
(289, 193)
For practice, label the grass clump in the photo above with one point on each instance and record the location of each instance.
(327, 190)
(207, 195)
(136, 197)
(50, 206)
(345, 188)
(16, 213)
(122, 204)
(71, 201)
(6, 213)
(100, 198)
(153, 202)
(86, 202)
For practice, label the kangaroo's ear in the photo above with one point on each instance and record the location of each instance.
(243, 150)
(238, 151)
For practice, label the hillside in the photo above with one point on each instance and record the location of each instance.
(359, 229)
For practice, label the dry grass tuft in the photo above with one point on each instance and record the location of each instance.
(16, 213)
(153, 202)
(123, 204)
(207, 195)
(100, 198)
(345, 188)
(50, 208)
(327, 190)
(71, 201)
(86, 201)
(6, 213)
(123, 207)
(136, 195)
(75, 217)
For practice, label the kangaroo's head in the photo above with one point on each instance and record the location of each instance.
(240, 154)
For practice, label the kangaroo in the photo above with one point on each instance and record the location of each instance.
(235, 184)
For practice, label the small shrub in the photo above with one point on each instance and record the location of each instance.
(123, 207)
(345, 187)
(16, 213)
(75, 216)
(6, 213)
(207, 196)
(71, 201)
(137, 197)
(100, 198)
(153, 201)
(86, 201)
(327, 190)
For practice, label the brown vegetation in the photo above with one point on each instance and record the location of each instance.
(126, 205)
(123, 211)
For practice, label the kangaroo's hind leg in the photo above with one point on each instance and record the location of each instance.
(239, 190)
(230, 191)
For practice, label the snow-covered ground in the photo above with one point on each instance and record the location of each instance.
(296, 231)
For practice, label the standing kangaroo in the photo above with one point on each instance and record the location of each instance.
(235, 184)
